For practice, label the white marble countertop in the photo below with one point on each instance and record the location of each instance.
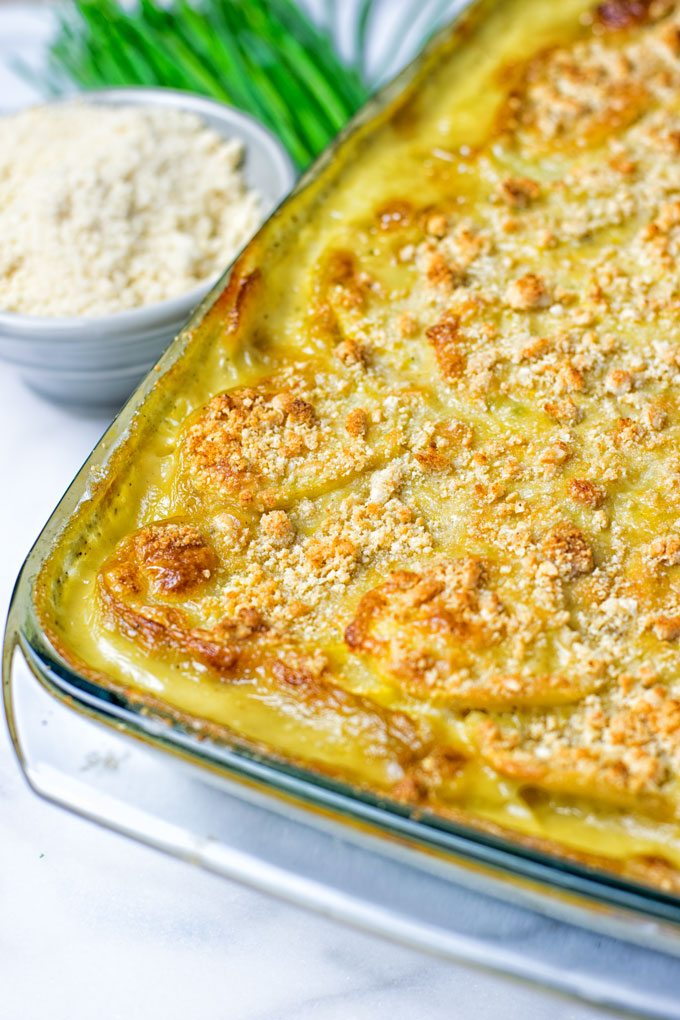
(92, 924)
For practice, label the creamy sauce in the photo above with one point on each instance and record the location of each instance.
(439, 152)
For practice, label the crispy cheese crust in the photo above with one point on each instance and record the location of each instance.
(436, 506)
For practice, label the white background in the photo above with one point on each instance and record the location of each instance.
(92, 925)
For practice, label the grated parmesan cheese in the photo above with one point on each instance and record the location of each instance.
(104, 209)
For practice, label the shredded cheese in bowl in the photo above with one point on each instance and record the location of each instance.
(110, 208)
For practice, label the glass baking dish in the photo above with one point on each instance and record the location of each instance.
(592, 898)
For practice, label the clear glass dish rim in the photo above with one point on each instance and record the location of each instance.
(427, 830)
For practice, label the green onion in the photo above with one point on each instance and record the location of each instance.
(266, 57)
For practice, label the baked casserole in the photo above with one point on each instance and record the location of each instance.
(406, 511)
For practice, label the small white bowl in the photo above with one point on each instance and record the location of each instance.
(97, 361)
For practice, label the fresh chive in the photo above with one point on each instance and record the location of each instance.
(301, 64)
(315, 120)
(267, 57)
(319, 49)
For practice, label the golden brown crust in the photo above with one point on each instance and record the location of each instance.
(229, 311)
(566, 548)
(438, 633)
(586, 492)
(445, 337)
(237, 649)
(439, 449)
(519, 192)
(527, 292)
(623, 747)
(168, 559)
(263, 446)
(137, 586)
(577, 97)
(215, 444)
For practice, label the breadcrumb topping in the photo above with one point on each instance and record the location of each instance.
(462, 492)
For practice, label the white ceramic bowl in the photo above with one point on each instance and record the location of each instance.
(97, 361)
